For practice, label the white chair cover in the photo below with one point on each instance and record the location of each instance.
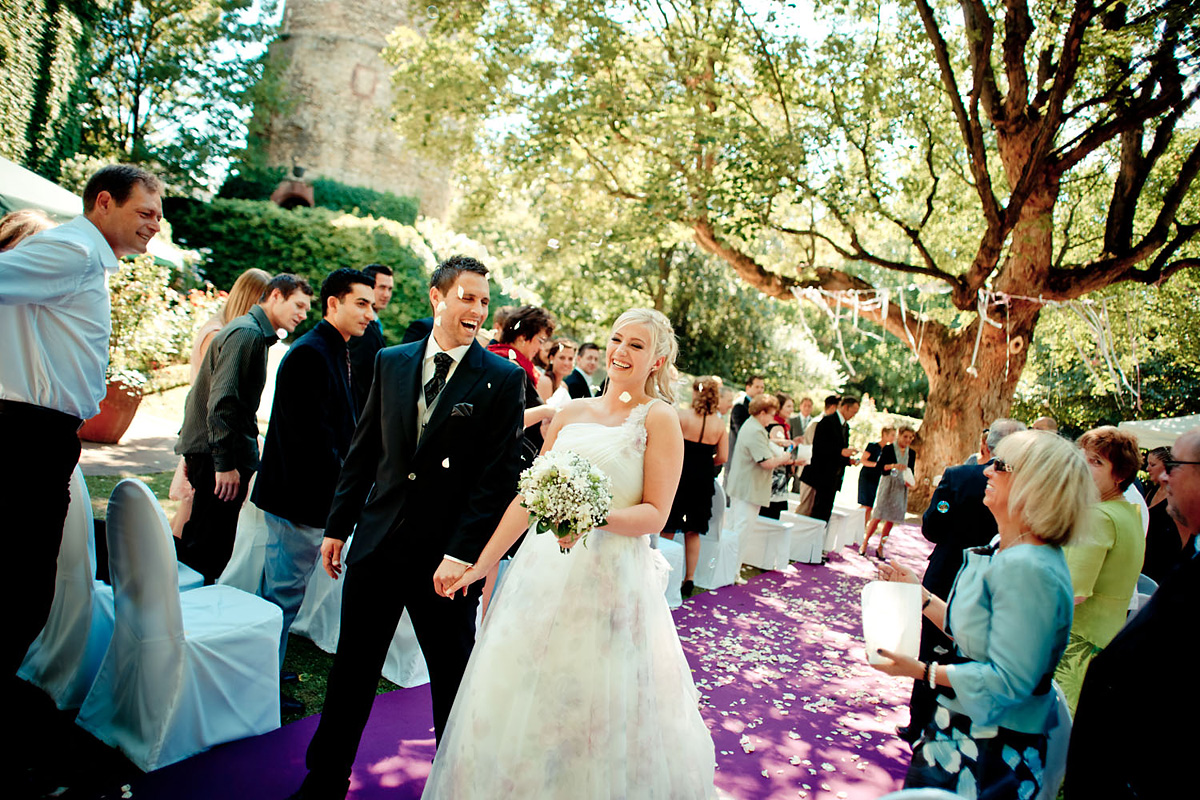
(807, 539)
(188, 578)
(1056, 748)
(185, 671)
(766, 544)
(64, 658)
(674, 553)
(846, 526)
(320, 620)
(1146, 587)
(719, 565)
(245, 568)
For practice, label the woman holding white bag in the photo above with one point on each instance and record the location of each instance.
(891, 501)
(1009, 614)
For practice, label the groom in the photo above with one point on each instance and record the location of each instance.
(431, 469)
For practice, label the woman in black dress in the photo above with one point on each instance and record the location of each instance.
(705, 445)
(872, 470)
(1164, 545)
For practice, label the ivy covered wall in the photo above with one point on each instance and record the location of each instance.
(43, 57)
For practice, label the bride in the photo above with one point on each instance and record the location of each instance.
(578, 686)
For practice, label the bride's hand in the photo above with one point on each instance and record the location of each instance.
(567, 542)
(472, 574)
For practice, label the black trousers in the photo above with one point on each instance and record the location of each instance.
(935, 646)
(823, 498)
(35, 490)
(378, 589)
(207, 537)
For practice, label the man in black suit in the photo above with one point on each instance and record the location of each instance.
(579, 382)
(1133, 708)
(755, 385)
(830, 457)
(955, 520)
(418, 330)
(363, 348)
(312, 421)
(431, 469)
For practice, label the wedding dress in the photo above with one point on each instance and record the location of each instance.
(578, 686)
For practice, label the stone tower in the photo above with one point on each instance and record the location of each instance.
(341, 91)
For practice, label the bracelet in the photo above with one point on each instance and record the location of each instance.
(933, 665)
(928, 598)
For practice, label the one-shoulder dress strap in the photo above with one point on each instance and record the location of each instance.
(703, 422)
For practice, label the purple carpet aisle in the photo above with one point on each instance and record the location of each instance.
(794, 709)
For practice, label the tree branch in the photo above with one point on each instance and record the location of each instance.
(968, 124)
(780, 287)
(1069, 283)
(1018, 27)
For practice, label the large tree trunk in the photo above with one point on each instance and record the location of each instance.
(961, 404)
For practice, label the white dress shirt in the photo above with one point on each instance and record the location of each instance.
(432, 348)
(55, 319)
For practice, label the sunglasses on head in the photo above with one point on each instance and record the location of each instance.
(1169, 464)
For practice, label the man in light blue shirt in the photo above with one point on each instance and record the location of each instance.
(54, 330)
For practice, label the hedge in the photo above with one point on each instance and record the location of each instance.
(235, 235)
(258, 184)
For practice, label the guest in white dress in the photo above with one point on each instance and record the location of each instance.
(578, 686)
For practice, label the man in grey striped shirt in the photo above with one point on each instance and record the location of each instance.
(219, 438)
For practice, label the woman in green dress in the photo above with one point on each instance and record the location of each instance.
(1106, 560)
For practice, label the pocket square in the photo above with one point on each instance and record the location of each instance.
(462, 410)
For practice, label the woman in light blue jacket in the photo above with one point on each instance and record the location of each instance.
(1009, 614)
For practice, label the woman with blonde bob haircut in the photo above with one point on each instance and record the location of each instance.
(1009, 614)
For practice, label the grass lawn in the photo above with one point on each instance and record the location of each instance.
(101, 486)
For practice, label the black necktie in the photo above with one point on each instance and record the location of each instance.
(846, 434)
(441, 368)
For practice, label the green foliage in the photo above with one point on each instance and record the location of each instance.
(258, 184)
(235, 235)
(169, 83)
(806, 151)
(1152, 342)
(44, 51)
(884, 368)
(152, 324)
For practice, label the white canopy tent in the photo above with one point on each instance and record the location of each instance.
(1153, 433)
(20, 188)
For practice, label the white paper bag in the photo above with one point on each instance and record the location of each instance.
(891, 615)
(910, 480)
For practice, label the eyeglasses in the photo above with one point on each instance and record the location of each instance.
(1000, 465)
(1170, 464)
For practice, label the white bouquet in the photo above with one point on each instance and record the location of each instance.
(565, 493)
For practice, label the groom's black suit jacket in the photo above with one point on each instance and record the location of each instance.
(415, 499)
(446, 492)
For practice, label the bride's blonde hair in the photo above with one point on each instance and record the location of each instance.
(661, 382)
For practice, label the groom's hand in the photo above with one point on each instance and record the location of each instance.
(331, 556)
(447, 574)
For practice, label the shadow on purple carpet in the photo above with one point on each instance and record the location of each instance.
(793, 708)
